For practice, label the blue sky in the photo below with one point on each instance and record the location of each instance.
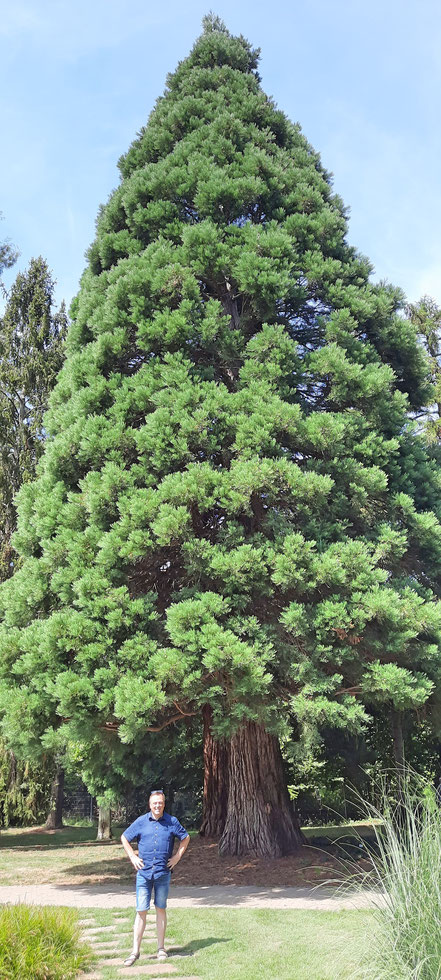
(364, 81)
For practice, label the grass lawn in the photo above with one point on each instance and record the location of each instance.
(248, 944)
(40, 837)
(333, 832)
(71, 856)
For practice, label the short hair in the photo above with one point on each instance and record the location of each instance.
(156, 792)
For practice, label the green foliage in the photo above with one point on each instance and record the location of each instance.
(426, 317)
(228, 508)
(31, 338)
(24, 789)
(116, 772)
(42, 943)
(328, 776)
(8, 256)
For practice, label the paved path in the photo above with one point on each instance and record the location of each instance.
(219, 896)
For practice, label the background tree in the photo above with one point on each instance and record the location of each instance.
(24, 789)
(121, 775)
(426, 317)
(8, 255)
(232, 510)
(31, 355)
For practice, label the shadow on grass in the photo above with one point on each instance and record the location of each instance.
(196, 944)
(117, 870)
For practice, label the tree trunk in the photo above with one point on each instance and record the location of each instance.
(104, 823)
(55, 816)
(215, 798)
(397, 736)
(261, 819)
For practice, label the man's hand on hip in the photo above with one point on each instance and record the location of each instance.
(137, 862)
(172, 862)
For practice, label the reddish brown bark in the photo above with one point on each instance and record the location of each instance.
(215, 780)
(260, 818)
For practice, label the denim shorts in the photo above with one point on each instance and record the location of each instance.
(144, 887)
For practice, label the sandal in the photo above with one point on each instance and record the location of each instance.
(162, 954)
(131, 959)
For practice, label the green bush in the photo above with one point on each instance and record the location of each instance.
(40, 943)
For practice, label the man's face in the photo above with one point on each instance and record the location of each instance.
(157, 804)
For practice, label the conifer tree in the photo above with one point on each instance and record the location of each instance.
(426, 317)
(225, 517)
(31, 355)
(31, 338)
(8, 255)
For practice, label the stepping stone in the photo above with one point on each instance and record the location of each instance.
(85, 922)
(94, 976)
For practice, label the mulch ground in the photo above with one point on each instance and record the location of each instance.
(202, 865)
(88, 862)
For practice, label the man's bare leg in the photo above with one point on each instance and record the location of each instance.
(138, 930)
(161, 923)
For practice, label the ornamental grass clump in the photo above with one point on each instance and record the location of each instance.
(40, 943)
(406, 868)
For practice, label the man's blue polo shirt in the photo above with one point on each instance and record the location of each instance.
(155, 841)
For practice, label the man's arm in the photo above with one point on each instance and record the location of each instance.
(137, 862)
(179, 853)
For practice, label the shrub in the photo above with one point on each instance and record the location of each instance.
(40, 943)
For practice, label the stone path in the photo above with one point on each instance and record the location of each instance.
(111, 944)
(209, 896)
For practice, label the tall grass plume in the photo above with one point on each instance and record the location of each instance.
(406, 873)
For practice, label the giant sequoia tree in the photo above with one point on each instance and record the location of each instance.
(224, 518)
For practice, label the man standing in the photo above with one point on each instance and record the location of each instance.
(155, 832)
